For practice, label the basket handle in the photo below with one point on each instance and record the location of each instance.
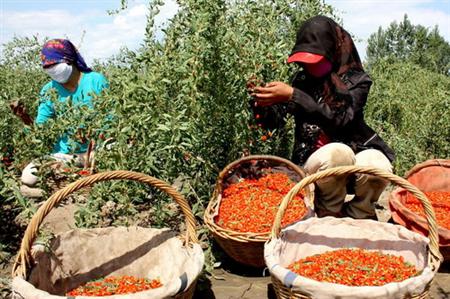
(23, 259)
(235, 163)
(428, 163)
(435, 256)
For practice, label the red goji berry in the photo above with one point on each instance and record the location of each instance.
(354, 267)
(115, 286)
(440, 201)
(251, 204)
(84, 172)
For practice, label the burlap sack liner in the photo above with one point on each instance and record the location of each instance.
(256, 169)
(317, 235)
(81, 255)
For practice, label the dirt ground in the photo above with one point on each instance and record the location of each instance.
(231, 280)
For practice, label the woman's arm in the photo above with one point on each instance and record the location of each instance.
(358, 89)
(100, 84)
(46, 111)
(270, 104)
(269, 117)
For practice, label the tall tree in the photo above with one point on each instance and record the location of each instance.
(413, 43)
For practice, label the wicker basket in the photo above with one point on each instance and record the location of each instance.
(438, 172)
(246, 248)
(434, 257)
(24, 260)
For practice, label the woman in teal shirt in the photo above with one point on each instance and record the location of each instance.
(71, 78)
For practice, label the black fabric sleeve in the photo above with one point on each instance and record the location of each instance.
(270, 117)
(358, 90)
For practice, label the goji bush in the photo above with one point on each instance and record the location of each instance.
(179, 105)
(180, 108)
(409, 107)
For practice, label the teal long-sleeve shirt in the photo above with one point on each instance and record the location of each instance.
(90, 83)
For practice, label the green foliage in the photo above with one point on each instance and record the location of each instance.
(179, 105)
(20, 61)
(15, 210)
(409, 101)
(22, 53)
(410, 43)
(410, 107)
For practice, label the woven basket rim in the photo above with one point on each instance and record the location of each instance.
(416, 168)
(428, 163)
(243, 237)
(396, 203)
(279, 284)
(23, 259)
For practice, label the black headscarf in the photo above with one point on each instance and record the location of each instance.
(321, 35)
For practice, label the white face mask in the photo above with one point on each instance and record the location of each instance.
(60, 72)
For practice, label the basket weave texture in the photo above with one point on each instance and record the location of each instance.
(434, 257)
(24, 259)
(246, 247)
(431, 175)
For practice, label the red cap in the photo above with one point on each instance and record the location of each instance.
(305, 57)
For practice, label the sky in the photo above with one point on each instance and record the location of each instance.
(100, 35)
